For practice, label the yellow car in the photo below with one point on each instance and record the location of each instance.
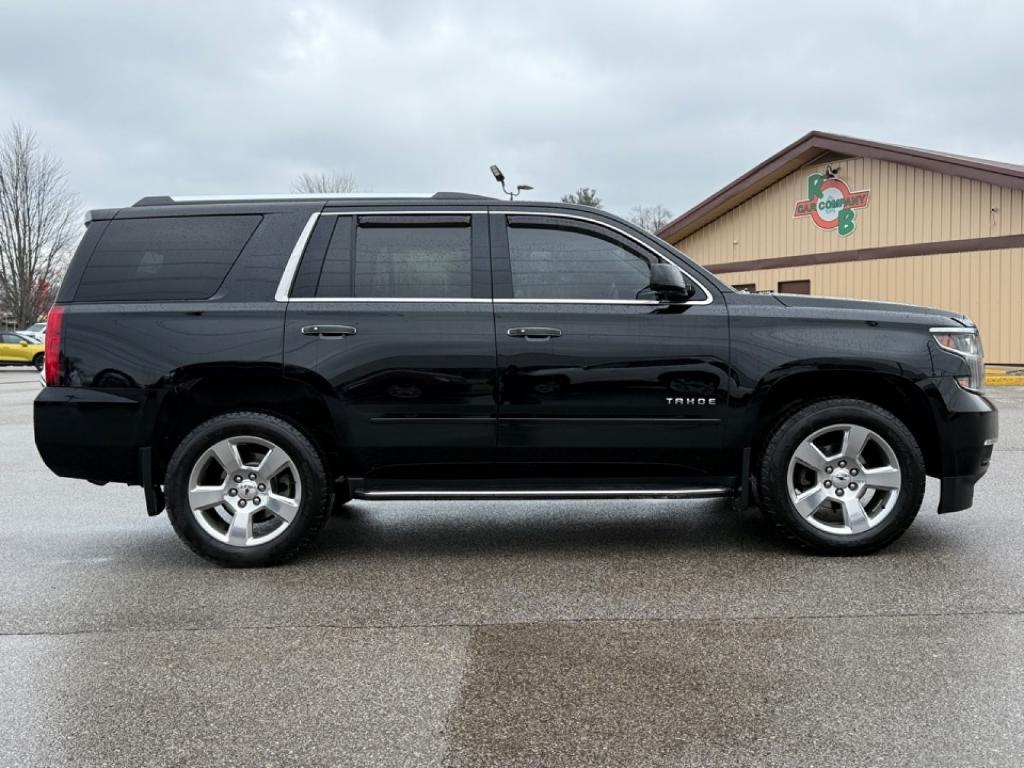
(16, 349)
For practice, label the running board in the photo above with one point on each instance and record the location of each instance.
(593, 493)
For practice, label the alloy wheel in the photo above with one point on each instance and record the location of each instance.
(844, 479)
(244, 491)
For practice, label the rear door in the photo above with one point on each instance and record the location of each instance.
(393, 312)
(597, 378)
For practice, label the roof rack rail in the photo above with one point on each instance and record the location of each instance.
(173, 199)
(462, 196)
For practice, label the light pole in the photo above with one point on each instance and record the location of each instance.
(500, 178)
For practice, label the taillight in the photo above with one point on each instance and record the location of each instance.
(51, 350)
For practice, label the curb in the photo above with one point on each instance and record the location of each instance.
(1001, 380)
(1002, 376)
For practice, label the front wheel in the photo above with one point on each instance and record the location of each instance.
(38, 361)
(842, 476)
(247, 489)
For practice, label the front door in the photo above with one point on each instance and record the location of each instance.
(393, 313)
(597, 378)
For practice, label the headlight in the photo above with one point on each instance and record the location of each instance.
(967, 343)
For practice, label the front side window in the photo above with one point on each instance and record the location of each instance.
(556, 263)
(391, 258)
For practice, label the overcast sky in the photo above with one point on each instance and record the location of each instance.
(649, 102)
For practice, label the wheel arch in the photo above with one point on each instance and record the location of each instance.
(896, 394)
(300, 398)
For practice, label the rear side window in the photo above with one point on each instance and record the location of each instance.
(164, 259)
(388, 257)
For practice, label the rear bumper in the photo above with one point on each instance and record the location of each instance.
(967, 427)
(90, 434)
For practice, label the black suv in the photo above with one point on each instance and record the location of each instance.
(252, 363)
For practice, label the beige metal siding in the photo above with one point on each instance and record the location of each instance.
(986, 285)
(907, 205)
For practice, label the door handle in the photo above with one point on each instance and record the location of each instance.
(534, 334)
(328, 330)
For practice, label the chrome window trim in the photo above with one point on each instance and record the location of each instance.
(625, 302)
(284, 285)
(707, 294)
(425, 300)
(431, 300)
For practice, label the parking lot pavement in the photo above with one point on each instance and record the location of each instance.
(557, 633)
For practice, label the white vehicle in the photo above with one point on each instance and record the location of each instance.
(36, 332)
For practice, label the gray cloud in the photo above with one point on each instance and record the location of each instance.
(649, 102)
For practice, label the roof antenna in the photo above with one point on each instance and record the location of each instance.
(500, 178)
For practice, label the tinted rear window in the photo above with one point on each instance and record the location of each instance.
(165, 259)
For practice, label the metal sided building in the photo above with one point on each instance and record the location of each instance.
(837, 216)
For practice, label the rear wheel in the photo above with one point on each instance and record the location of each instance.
(247, 489)
(38, 361)
(842, 476)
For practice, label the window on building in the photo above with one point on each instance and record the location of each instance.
(795, 286)
(748, 287)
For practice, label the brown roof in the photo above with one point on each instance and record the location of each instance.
(817, 144)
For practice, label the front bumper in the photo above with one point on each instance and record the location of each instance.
(967, 427)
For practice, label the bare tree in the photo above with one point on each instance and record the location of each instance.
(583, 196)
(650, 218)
(325, 181)
(38, 224)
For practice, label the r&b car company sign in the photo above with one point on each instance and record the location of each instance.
(831, 204)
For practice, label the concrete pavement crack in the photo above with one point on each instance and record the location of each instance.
(546, 622)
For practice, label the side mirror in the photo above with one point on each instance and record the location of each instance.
(24, 343)
(669, 284)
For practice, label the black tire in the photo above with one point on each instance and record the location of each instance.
(39, 361)
(773, 480)
(314, 506)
